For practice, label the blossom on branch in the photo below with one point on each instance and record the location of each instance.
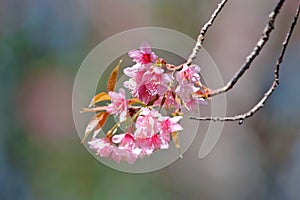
(153, 85)
(118, 105)
(144, 55)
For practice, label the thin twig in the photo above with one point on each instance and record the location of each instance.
(261, 103)
(254, 53)
(203, 31)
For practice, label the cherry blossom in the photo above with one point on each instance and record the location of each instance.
(188, 74)
(153, 85)
(118, 105)
(170, 124)
(168, 100)
(155, 82)
(144, 55)
(127, 146)
(146, 84)
(147, 123)
(105, 148)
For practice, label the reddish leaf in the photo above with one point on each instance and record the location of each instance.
(175, 138)
(163, 100)
(102, 96)
(113, 130)
(135, 101)
(111, 84)
(96, 123)
(178, 100)
(203, 94)
(96, 109)
(100, 124)
(198, 83)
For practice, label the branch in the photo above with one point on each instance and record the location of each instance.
(261, 103)
(203, 31)
(256, 50)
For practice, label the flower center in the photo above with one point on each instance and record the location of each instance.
(146, 58)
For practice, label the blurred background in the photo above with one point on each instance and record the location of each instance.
(42, 44)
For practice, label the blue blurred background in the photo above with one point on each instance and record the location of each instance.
(42, 44)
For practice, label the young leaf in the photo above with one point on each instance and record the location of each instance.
(111, 84)
(113, 130)
(96, 122)
(102, 96)
(135, 101)
(178, 100)
(96, 109)
(100, 124)
(162, 102)
(175, 138)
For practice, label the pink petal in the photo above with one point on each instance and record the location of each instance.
(145, 47)
(116, 155)
(158, 70)
(175, 119)
(176, 127)
(117, 138)
(134, 53)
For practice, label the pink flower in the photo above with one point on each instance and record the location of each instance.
(188, 74)
(116, 154)
(187, 78)
(127, 145)
(150, 144)
(145, 146)
(146, 81)
(104, 148)
(126, 150)
(130, 155)
(146, 93)
(169, 101)
(136, 72)
(157, 142)
(169, 125)
(131, 84)
(193, 103)
(118, 105)
(186, 93)
(154, 82)
(144, 55)
(147, 124)
(124, 140)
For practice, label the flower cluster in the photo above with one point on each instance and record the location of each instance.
(151, 132)
(154, 85)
